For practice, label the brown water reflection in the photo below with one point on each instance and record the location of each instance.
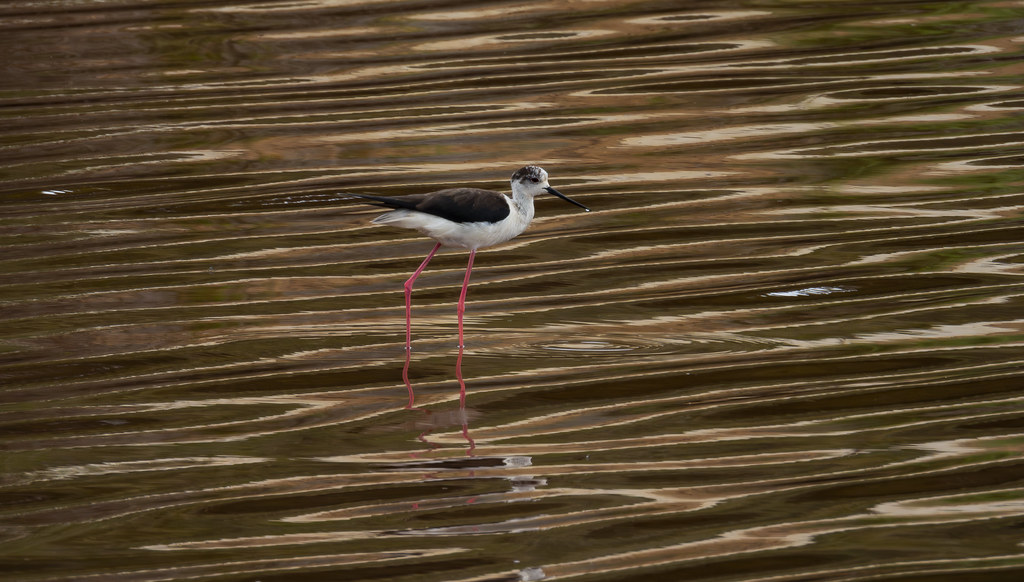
(786, 345)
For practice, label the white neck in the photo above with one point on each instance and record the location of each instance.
(522, 202)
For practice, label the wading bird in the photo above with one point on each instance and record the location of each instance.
(468, 218)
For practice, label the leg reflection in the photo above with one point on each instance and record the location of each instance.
(411, 405)
(462, 403)
(408, 384)
(439, 420)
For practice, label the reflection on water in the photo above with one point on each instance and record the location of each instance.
(786, 344)
(434, 420)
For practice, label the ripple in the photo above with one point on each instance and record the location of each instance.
(810, 291)
(593, 346)
(786, 344)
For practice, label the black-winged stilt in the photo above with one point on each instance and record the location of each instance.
(468, 218)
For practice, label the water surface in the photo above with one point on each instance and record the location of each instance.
(785, 345)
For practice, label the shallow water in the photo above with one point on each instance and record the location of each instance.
(786, 344)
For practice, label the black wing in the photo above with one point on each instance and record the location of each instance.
(454, 204)
(465, 205)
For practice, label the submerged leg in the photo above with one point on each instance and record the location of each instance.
(408, 297)
(462, 297)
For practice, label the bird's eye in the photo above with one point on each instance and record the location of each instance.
(534, 180)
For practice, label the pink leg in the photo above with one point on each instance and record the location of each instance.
(408, 297)
(462, 297)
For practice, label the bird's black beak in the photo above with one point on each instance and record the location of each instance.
(551, 190)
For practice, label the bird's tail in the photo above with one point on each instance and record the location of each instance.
(386, 201)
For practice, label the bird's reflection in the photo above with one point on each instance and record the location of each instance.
(462, 417)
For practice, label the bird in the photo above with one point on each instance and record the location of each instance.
(468, 218)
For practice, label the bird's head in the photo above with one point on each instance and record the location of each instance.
(533, 180)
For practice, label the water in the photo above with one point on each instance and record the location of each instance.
(785, 345)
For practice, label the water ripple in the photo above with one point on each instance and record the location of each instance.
(786, 344)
